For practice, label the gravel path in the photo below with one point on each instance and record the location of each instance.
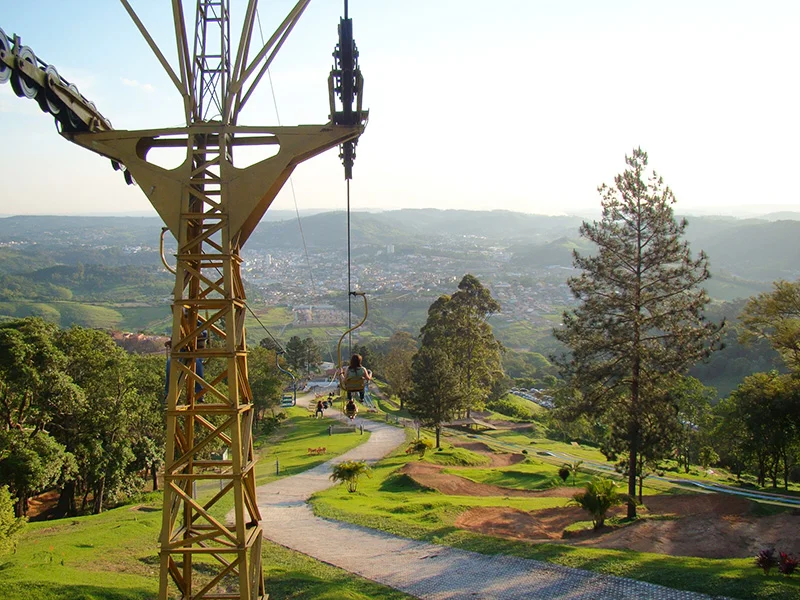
(421, 569)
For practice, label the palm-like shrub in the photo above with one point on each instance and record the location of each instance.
(767, 559)
(350, 472)
(574, 467)
(599, 495)
(419, 447)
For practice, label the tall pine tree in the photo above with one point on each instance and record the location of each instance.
(639, 322)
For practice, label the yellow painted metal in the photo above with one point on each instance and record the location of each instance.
(211, 207)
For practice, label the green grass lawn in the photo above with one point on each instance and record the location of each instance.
(275, 316)
(524, 404)
(113, 556)
(289, 446)
(531, 474)
(146, 318)
(64, 313)
(393, 502)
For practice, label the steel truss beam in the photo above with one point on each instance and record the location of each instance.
(211, 207)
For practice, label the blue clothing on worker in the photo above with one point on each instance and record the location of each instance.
(199, 371)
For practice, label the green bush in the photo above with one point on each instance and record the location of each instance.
(511, 406)
(599, 495)
(419, 447)
(350, 472)
(10, 526)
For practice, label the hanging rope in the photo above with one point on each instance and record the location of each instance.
(349, 286)
(272, 337)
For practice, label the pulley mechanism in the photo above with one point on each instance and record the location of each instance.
(346, 82)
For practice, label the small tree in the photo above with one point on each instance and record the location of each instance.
(787, 563)
(574, 467)
(434, 392)
(458, 326)
(296, 354)
(766, 559)
(599, 497)
(10, 526)
(350, 472)
(708, 456)
(420, 447)
(397, 364)
(564, 472)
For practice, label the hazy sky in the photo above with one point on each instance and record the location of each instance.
(523, 105)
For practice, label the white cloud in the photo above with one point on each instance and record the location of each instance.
(146, 87)
(9, 103)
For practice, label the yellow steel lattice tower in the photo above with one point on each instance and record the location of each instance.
(211, 207)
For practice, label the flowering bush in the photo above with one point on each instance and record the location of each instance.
(787, 563)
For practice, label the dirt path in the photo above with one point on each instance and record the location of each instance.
(425, 570)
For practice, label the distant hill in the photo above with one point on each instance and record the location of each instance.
(756, 250)
(785, 215)
(745, 255)
(555, 253)
(121, 230)
(500, 225)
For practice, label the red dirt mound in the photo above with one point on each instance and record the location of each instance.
(431, 476)
(707, 526)
(702, 525)
(497, 459)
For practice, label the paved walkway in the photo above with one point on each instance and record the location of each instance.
(421, 569)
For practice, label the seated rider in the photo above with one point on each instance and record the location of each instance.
(351, 410)
(350, 377)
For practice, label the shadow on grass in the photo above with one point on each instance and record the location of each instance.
(723, 577)
(63, 591)
(288, 575)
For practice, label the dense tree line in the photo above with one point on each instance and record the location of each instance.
(80, 415)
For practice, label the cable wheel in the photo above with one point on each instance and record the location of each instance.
(5, 46)
(24, 87)
(74, 120)
(48, 101)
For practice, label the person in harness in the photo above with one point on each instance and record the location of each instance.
(355, 377)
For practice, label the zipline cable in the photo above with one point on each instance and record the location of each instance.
(291, 180)
(349, 287)
(272, 337)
